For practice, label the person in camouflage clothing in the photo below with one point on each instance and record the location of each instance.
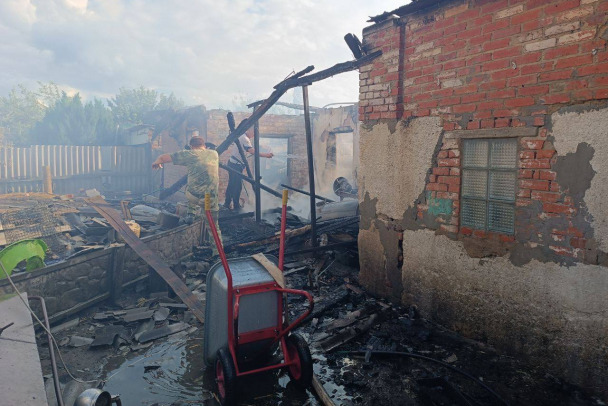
(203, 176)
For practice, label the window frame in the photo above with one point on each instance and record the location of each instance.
(489, 170)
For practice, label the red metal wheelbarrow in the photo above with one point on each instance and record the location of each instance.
(246, 319)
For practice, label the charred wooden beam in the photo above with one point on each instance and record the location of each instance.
(275, 238)
(255, 116)
(149, 256)
(258, 174)
(348, 334)
(311, 169)
(328, 247)
(293, 81)
(296, 75)
(171, 190)
(248, 179)
(334, 70)
(239, 146)
(307, 193)
(288, 105)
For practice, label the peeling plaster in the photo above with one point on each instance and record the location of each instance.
(379, 254)
(367, 209)
(396, 156)
(372, 261)
(570, 129)
(574, 170)
(439, 206)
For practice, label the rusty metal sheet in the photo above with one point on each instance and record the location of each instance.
(149, 256)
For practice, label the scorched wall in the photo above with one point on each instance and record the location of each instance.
(483, 174)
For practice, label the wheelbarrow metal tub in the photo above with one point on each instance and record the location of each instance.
(258, 312)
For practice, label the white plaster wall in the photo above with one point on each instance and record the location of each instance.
(571, 129)
(394, 164)
(555, 315)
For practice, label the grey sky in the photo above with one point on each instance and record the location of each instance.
(208, 52)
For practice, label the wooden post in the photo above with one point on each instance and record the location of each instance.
(148, 164)
(47, 180)
(311, 168)
(258, 175)
(118, 271)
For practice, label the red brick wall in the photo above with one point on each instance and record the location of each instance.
(485, 64)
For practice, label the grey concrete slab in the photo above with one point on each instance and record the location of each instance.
(21, 381)
(106, 335)
(162, 332)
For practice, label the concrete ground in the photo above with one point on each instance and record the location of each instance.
(20, 370)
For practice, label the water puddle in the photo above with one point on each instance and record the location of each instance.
(173, 373)
(168, 373)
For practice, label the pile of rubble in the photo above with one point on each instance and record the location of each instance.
(70, 227)
(134, 327)
(367, 351)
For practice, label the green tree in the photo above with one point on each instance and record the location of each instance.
(70, 122)
(169, 102)
(101, 117)
(130, 105)
(22, 108)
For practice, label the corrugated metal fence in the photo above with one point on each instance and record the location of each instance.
(106, 168)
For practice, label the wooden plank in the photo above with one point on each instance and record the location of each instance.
(149, 256)
(271, 268)
(317, 386)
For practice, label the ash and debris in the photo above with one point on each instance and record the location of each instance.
(70, 227)
(148, 346)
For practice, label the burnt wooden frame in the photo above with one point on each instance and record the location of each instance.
(299, 79)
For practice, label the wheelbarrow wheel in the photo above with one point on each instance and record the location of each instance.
(300, 372)
(225, 377)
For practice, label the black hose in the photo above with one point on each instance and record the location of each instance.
(51, 350)
(450, 367)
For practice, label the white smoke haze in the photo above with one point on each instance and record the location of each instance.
(204, 51)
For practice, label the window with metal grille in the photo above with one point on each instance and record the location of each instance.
(489, 183)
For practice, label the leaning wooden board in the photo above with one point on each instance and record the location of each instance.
(272, 269)
(181, 290)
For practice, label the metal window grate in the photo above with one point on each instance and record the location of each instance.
(489, 184)
(34, 222)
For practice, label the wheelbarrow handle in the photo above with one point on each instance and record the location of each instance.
(302, 316)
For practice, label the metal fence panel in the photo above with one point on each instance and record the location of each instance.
(107, 168)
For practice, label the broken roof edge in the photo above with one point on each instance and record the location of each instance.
(415, 6)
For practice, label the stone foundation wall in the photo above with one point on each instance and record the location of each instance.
(170, 245)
